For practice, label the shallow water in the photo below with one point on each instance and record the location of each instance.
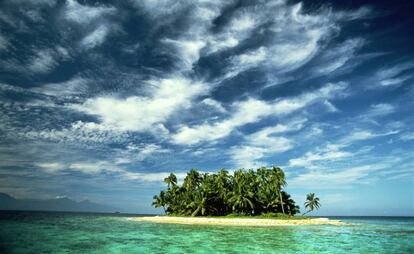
(37, 232)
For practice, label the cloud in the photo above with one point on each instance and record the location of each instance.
(380, 109)
(51, 167)
(142, 113)
(264, 143)
(188, 45)
(40, 61)
(249, 111)
(74, 86)
(391, 76)
(189, 51)
(105, 167)
(336, 57)
(78, 133)
(330, 106)
(359, 135)
(335, 179)
(95, 38)
(407, 136)
(157, 8)
(294, 37)
(83, 14)
(249, 156)
(329, 153)
(4, 43)
(134, 153)
(94, 168)
(43, 62)
(364, 12)
(214, 105)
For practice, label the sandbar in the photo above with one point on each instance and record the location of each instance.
(238, 221)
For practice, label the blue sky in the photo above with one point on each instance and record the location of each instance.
(101, 100)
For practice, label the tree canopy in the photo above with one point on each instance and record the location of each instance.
(245, 192)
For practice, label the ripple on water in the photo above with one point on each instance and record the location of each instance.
(77, 233)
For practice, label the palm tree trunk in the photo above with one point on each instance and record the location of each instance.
(196, 211)
(281, 202)
(306, 212)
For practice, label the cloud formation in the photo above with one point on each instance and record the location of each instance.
(124, 93)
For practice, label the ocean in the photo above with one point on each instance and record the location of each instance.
(57, 232)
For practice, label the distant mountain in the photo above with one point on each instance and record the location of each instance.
(7, 202)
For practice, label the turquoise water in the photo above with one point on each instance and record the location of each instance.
(26, 232)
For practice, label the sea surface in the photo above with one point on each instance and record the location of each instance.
(53, 232)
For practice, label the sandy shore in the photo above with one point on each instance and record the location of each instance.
(237, 221)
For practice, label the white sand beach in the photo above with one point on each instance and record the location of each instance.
(238, 221)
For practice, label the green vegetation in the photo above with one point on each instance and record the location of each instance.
(245, 193)
(311, 203)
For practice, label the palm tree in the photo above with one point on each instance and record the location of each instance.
(170, 180)
(159, 201)
(244, 192)
(311, 203)
(192, 180)
(241, 196)
(289, 204)
(278, 178)
(199, 203)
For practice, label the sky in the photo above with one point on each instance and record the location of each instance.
(102, 100)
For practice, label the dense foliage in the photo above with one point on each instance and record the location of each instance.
(245, 192)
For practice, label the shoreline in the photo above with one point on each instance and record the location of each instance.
(237, 221)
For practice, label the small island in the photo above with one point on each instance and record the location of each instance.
(244, 198)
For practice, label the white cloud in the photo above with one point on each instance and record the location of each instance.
(265, 136)
(294, 37)
(329, 153)
(334, 179)
(246, 61)
(249, 111)
(394, 81)
(189, 44)
(363, 12)
(249, 156)
(84, 14)
(51, 167)
(380, 110)
(336, 57)
(152, 177)
(76, 85)
(157, 8)
(89, 168)
(359, 135)
(43, 62)
(105, 167)
(96, 37)
(214, 104)
(98, 167)
(407, 136)
(188, 50)
(4, 43)
(264, 143)
(139, 113)
(330, 106)
(79, 133)
(243, 22)
(391, 76)
(134, 153)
